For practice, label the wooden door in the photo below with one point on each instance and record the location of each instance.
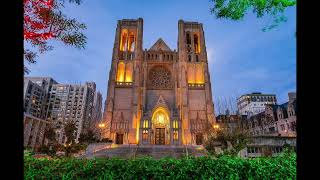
(160, 136)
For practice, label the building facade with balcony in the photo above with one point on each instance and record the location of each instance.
(254, 103)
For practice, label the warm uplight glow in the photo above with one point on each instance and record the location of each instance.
(102, 125)
(191, 74)
(145, 124)
(160, 117)
(131, 43)
(128, 74)
(123, 40)
(199, 74)
(195, 73)
(196, 43)
(216, 126)
(120, 72)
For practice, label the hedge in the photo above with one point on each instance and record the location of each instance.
(224, 167)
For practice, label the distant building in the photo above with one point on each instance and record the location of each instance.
(35, 96)
(254, 103)
(267, 146)
(230, 122)
(72, 102)
(34, 129)
(275, 120)
(96, 114)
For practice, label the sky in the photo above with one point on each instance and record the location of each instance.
(242, 58)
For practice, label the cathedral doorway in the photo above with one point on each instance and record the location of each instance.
(119, 138)
(160, 136)
(161, 125)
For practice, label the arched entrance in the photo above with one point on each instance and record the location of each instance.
(161, 126)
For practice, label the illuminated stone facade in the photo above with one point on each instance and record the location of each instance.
(158, 96)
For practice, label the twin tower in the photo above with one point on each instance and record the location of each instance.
(158, 96)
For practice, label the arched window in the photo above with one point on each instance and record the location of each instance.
(120, 72)
(123, 40)
(189, 58)
(175, 135)
(145, 124)
(131, 43)
(188, 38)
(175, 124)
(191, 74)
(196, 43)
(128, 72)
(197, 58)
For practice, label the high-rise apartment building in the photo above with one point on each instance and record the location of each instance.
(71, 102)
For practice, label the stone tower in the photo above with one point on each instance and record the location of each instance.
(158, 95)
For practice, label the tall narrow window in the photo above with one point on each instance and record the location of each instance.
(175, 124)
(131, 42)
(120, 72)
(123, 40)
(196, 43)
(175, 135)
(188, 38)
(189, 58)
(191, 77)
(145, 124)
(199, 74)
(128, 72)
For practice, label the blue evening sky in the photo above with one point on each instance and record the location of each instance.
(242, 58)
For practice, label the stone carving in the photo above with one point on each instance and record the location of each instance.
(160, 78)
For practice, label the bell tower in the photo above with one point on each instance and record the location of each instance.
(122, 106)
(195, 102)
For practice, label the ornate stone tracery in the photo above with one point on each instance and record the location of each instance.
(160, 78)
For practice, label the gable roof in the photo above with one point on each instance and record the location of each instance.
(160, 45)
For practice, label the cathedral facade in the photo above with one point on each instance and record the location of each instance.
(158, 95)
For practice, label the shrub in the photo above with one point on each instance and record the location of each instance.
(208, 167)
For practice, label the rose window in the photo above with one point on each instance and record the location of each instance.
(160, 78)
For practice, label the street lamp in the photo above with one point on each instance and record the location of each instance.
(216, 126)
(101, 126)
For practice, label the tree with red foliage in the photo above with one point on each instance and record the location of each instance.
(44, 21)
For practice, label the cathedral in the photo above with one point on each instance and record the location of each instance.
(158, 95)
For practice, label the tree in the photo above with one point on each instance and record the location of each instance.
(88, 137)
(69, 130)
(224, 104)
(44, 21)
(50, 134)
(236, 9)
(231, 142)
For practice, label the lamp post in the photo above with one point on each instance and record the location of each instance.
(216, 126)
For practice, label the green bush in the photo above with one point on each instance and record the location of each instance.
(224, 167)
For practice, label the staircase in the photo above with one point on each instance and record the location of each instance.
(155, 151)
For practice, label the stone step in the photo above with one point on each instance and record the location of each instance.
(155, 151)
